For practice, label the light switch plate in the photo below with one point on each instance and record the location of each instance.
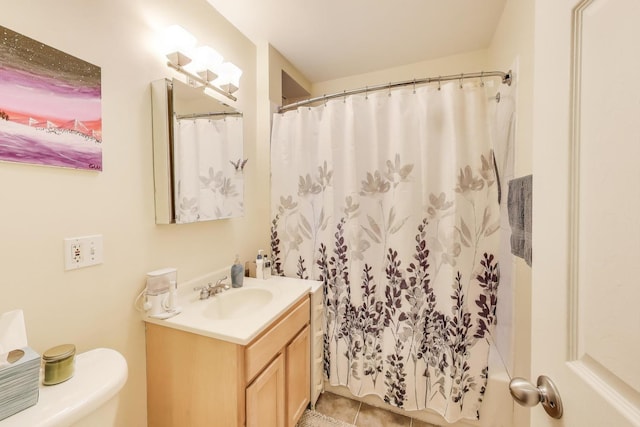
(82, 251)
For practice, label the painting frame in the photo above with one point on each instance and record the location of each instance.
(50, 105)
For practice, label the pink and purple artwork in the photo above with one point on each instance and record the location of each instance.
(50, 105)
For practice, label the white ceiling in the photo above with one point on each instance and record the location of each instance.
(328, 39)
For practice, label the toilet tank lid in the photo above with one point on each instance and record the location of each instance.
(99, 375)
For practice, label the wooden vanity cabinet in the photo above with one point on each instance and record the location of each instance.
(266, 396)
(298, 375)
(200, 381)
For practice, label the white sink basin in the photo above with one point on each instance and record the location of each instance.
(236, 303)
(235, 315)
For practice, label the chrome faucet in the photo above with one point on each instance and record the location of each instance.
(211, 290)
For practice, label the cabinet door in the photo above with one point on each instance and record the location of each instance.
(265, 397)
(298, 376)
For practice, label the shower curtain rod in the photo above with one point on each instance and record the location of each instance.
(506, 79)
(202, 115)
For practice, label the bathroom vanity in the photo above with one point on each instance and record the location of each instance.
(247, 364)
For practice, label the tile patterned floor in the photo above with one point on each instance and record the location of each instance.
(362, 414)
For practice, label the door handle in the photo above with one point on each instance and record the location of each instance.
(526, 394)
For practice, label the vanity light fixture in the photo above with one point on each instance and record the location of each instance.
(178, 45)
(229, 79)
(206, 61)
(202, 65)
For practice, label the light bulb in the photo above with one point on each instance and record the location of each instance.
(178, 44)
(229, 77)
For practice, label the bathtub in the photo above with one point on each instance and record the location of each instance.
(496, 409)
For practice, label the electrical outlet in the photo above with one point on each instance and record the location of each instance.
(76, 253)
(82, 251)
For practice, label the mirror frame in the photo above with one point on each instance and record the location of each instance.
(163, 166)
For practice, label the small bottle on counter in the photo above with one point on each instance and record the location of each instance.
(259, 265)
(266, 267)
(237, 273)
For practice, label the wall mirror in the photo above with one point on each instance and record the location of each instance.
(197, 155)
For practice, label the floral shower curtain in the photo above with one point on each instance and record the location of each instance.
(391, 199)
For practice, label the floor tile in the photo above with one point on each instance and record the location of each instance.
(338, 407)
(370, 416)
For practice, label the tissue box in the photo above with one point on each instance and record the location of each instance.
(19, 383)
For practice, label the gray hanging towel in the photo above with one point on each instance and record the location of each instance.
(519, 207)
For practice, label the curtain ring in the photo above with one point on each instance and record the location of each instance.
(389, 88)
(481, 79)
(324, 97)
(344, 96)
(461, 77)
(366, 92)
(439, 82)
(414, 86)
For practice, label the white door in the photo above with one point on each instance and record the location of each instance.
(586, 210)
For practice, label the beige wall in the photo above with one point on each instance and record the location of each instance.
(455, 64)
(278, 64)
(93, 307)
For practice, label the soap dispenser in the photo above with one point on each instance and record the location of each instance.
(237, 273)
(259, 265)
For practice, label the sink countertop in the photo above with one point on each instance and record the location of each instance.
(286, 293)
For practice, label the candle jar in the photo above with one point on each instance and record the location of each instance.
(59, 363)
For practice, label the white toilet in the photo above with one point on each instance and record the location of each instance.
(89, 398)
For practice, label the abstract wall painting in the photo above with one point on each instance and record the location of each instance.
(50, 105)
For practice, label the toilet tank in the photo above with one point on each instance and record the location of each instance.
(89, 398)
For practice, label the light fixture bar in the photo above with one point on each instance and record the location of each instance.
(201, 81)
